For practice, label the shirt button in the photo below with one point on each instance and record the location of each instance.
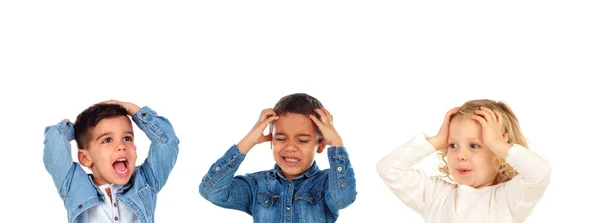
(340, 168)
(289, 185)
(80, 206)
(218, 168)
(144, 114)
(116, 218)
(287, 208)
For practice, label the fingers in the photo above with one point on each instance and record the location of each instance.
(500, 119)
(265, 138)
(446, 124)
(263, 124)
(110, 102)
(265, 114)
(326, 117)
(450, 113)
(479, 119)
(329, 116)
(318, 122)
(488, 114)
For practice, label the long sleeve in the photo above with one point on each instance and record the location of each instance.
(164, 146)
(525, 190)
(341, 187)
(220, 187)
(412, 186)
(57, 154)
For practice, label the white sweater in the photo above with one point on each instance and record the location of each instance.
(439, 201)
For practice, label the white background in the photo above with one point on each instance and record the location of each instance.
(387, 70)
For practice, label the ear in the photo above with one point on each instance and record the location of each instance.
(84, 158)
(505, 137)
(321, 146)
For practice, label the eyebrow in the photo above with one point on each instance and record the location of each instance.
(108, 133)
(301, 134)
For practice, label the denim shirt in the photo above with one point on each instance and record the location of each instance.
(314, 196)
(78, 190)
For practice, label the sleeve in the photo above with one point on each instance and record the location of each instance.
(57, 155)
(341, 187)
(412, 186)
(164, 146)
(222, 188)
(526, 189)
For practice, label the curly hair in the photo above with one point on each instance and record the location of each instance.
(511, 126)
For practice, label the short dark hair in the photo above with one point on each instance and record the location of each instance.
(298, 103)
(90, 117)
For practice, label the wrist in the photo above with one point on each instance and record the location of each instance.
(245, 145)
(499, 147)
(133, 110)
(437, 142)
(337, 143)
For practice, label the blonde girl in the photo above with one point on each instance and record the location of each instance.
(491, 174)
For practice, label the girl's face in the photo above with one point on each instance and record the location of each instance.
(469, 161)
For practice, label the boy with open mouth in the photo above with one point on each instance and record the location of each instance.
(117, 190)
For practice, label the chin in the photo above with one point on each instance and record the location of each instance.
(122, 181)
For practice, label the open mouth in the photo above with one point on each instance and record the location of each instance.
(120, 166)
(290, 161)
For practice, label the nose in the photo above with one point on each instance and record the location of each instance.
(463, 155)
(120, 147)
(291, 146)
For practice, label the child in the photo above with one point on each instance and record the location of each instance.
(483, 150)
(117, 190)
(295, 190)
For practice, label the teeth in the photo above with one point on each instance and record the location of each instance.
(291, 159)
(122, 159)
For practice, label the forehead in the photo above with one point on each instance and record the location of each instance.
(464, 128)
(113, 125)
(293, 124)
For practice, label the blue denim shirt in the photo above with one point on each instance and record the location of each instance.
(78, 190)
(314, 196)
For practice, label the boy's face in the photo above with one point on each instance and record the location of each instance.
(295, 142)
(469, 161)
(111, 153)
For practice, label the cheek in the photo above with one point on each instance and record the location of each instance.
(451, 159)
(484, 162)
(276, 147)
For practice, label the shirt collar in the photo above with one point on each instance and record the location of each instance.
(311, 171)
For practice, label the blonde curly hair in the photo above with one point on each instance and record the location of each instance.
(511, 126)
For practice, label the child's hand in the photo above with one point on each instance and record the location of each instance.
(130, 107)
(440, 141)
(330, 135)
(256, 136)
(492, 132)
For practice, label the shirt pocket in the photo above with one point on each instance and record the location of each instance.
(309, 206)
(148, 197)
(268, 210)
